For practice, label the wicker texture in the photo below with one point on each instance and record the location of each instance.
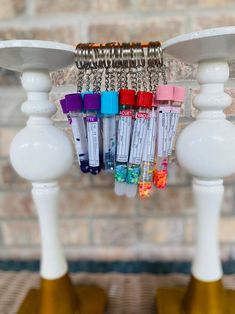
(128, 294)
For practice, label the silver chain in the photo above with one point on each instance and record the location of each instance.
(163, 72)
(139, 78)
(88, 77)
(133, 78)
(119, 66)
(112, 79)
(80, 79)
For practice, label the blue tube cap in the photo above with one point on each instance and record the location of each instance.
(109, 102)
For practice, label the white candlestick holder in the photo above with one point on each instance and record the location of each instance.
(206, 149)
(41, 153)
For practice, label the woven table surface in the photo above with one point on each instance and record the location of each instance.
(128, 294)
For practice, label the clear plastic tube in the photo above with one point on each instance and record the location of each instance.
(178, 99)
(161, 159)
(92, 122)
(109, 109)
(100, 127)
(147, 165)
(144, 101)
(170, 98)
(80, 138)
(72, 106)
(123, 147)
(109, 142)
(92, 107)
(136, 151)
(175, 114)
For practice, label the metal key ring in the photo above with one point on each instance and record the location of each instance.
(79, 56)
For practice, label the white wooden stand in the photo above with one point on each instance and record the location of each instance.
(41, 153)
(206, 149)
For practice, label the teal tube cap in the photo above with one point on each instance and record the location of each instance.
(109, 102)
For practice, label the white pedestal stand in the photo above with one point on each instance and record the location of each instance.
(206, 149)
(41, 153)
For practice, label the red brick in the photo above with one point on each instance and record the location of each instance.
(103, 180)
(227, 227)
(95, 202)
(10, 103)
(58, 6)
(11, 8)
(75, 179)
(74, 232)
(102, 253)
(215, 3)
(20, 233)
(9, 178)
(137, 251)
(162, 230)
(16, 204)
(190, 229)
(114, 232)
(171, 200)
(6, 137)
(64, 34)
(158, 5)
(161, 28)
(209, 20)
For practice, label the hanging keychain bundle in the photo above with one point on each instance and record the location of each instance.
(122, 120)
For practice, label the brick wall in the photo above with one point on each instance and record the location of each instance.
(94, 222)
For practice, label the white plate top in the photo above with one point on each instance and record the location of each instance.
(17, 55)
(214, 43)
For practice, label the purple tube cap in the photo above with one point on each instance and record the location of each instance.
(63, 106)
(92, 101)
(74, 102)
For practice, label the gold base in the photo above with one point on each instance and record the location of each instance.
(199, 298)
(61, 297)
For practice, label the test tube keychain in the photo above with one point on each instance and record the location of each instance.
(164, 98)
(143, 104)
(109, 109)
(72, 105)
(92, 104)
(65, 110)
(178, 99)
(125, 122)
(148, 164)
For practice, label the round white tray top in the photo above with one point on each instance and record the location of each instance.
(208, 44)
(18, 55)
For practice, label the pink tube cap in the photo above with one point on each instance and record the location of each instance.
(155, 100)
(164, 92)
(179, 93)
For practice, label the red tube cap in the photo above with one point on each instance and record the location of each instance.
(127, 97)
(144, 99)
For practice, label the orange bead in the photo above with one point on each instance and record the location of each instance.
(161, 179)
(144, 189)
